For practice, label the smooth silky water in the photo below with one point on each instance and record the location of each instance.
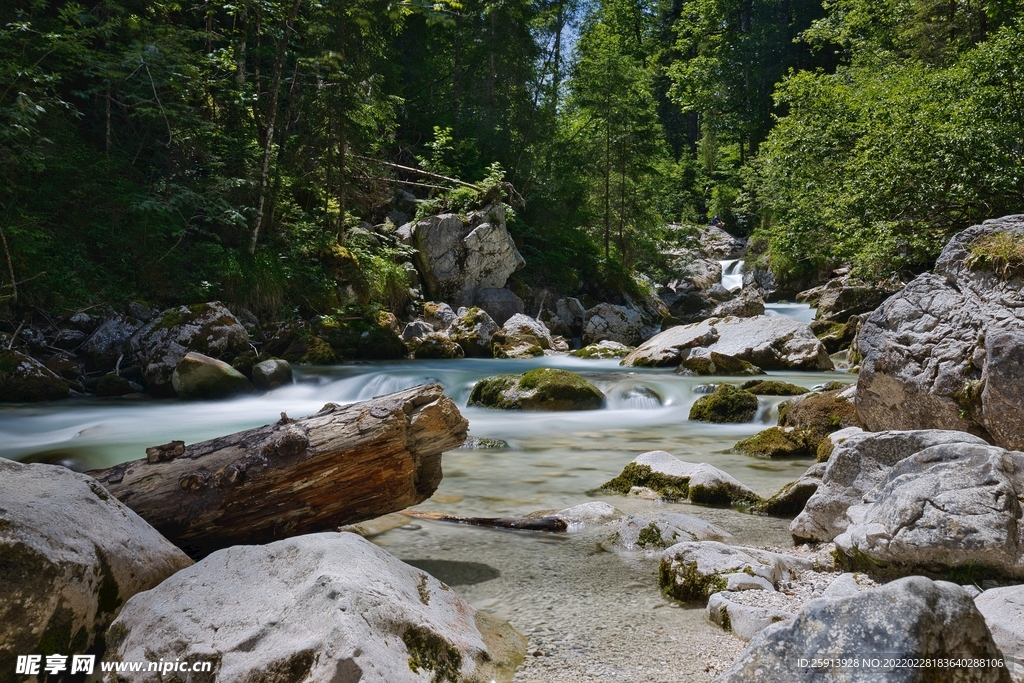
(588, 611)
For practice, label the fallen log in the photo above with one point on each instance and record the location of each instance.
(345, 464)
(518, 523)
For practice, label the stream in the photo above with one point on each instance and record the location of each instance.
(589, 615)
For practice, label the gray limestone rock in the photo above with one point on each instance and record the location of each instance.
(500, 304)
(320, 607)
(72, 554)
(855, 468)
(909, 618)
(770, 343)
(948, 351)
(209, 329)
(615, 323)
(197, 377)
(1003, 609)
(270, 374)
(458, 257)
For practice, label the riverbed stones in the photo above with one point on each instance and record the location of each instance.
(200, 377)
(947, 507)
(671, 479)
(770, 343)
(525, 327)
(621, 324)
(913, 617)
(540, 389)
(72, 555)
(438, 315)
(272, 373)
(855, 468)
(458, 257)
(209, 329)
(771, 387)
(791, 499)
(1003, 609)
(436, 346)
(24, 379)
(320, 607)
(948, 351)
(726, 403)
(731, 610)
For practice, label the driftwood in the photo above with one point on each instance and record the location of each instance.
(341, 466)
(520, 523)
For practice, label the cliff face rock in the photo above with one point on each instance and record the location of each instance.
(459, 258)
(948, 351)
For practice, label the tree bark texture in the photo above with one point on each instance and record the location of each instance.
(343, 465)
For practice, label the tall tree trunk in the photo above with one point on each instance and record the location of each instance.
(607, 186)
(268, 142)
(457, 74)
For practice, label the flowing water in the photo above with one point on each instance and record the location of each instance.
(592, 614)
(589, 615)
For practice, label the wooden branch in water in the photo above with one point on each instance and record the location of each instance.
(520, 523)
(340, 466)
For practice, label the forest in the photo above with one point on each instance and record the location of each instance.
(173, 151)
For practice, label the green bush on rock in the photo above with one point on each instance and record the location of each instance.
(540, 389)
(726, 404)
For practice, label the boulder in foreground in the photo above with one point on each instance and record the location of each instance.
(321, 607)
(906, 619)
(71, 556)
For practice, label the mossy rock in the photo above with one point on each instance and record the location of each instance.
(473, 331)
(726, 404)
(715, 363)
(818, 415)
(371, 335)
(540, 389)
(776, 442)
(24, 379)
(788, 502)
(771, 387)
(667, 487)
(244, 363)
(436, 346)
(686, 584)
(602, 350)
(516, 346)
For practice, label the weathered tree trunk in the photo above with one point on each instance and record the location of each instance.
(340, 466)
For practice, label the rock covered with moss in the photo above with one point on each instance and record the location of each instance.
(540, 389)
(322, 607)
(772, 387)
(602, 350)
(702, 361)
(72, 555)
(672, 479)
(24, 379)
(946, 352)
(210, 329)
(296, 342)
(436, 346)
(775, 442)
(473, 330)
(691, 572)
(791, 498)
(651, 536)
(726, 403)
(200, 377)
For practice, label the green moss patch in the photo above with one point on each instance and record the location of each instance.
(775, 442)
(771, 387)
(718, 364)
(726, 404)
(430, 652)
(686, 584)
(540, 389)
(815, 417)
(633, 474)
(596, 352)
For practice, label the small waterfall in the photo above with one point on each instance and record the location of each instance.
(732, 274)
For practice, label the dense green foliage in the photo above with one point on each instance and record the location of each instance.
(182, 151)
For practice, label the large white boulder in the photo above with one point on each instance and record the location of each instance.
(321, 607)
(70, 556)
